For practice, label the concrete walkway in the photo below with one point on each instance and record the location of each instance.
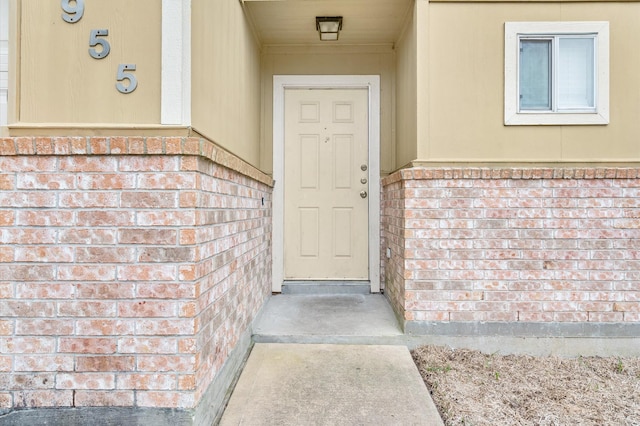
(329, 360)
(298, 384)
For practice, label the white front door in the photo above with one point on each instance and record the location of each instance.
(326, 214)
(340, 255)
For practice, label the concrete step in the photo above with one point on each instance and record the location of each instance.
(328, 318)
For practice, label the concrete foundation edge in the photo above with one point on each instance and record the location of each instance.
(211, 406)
(536, 346)
(523, 329)
(97, 415)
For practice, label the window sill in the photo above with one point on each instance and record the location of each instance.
(556, 119)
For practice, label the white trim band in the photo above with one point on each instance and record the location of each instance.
(176, 63)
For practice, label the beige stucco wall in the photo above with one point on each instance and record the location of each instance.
(328, 60)
(442, 82)
(466, 87)
(406, 89)
(60, 83)
(226, 77)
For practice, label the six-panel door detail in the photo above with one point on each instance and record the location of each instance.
(326, 184)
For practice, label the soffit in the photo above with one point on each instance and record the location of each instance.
(282, 22)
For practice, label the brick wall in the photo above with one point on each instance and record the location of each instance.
(392, 230)
(129, 267)
(513, 245)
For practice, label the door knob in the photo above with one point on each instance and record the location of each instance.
(363, 194)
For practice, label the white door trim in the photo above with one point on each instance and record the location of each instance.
(372, 84)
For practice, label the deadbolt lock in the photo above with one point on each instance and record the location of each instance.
(363, 167)
(363, 181)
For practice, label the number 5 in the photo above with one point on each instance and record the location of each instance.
(95, 41)
(122, 75)
(72, 13)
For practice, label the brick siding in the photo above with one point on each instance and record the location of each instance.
(513, 245)
(129, 268)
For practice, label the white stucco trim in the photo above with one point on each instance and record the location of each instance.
(4, 61)
(176, 63)
(372, 84)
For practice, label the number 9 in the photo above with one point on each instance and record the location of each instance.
(73, 13)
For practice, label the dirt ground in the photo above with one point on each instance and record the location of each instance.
(472, 388)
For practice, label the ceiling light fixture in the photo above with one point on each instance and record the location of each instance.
(329, 27)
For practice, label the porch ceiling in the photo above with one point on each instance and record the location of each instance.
(279, 22)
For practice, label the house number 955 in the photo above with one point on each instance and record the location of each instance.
(99, 47)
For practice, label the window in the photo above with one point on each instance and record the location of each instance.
(556, 73)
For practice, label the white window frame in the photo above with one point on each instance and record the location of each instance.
(514, 31)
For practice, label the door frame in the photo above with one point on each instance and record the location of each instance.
(280, 84)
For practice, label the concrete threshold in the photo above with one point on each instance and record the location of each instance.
(326, 287)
